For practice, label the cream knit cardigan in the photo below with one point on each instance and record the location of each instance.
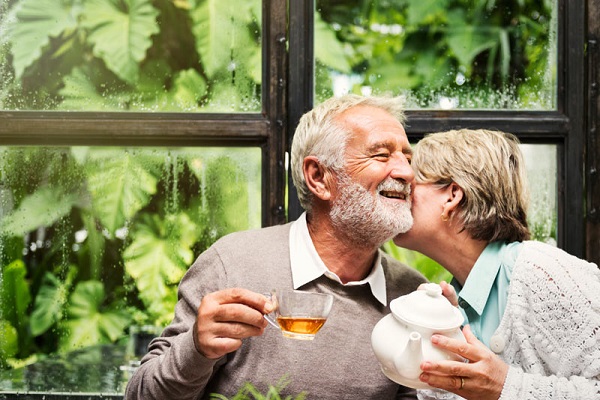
(551, 326)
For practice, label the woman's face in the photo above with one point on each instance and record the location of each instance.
(427, 207)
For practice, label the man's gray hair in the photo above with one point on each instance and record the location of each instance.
(320, 135)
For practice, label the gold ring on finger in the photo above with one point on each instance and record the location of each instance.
(462, 382)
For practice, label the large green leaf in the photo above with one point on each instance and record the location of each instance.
(79, 94)
(425, 11)
(14, 294)
(36, 22)
(49, 303)
(218, 28)
(466, 42)
(159, 254)
(186, 93)
(394, 77)
(228, 202)
(188, 89)
(225, 97)
(120, 187)
(329, 50)
(96, 244)
(42, 208)
(149, 93)
(120, 32)
(9, 341)
(88, 324)
(434, 70)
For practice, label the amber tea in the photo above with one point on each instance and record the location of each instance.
(299, 314)
(301, 325)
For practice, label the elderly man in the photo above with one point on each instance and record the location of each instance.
(350, 162)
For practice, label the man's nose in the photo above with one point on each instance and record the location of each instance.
(401, 169)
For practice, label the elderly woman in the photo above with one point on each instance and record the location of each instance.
(533, 310)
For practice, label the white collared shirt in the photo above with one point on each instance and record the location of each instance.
(308, 266)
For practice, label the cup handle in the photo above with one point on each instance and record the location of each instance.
(271, 316)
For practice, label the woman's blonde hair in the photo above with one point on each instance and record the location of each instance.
(489, 168)
(319, 134)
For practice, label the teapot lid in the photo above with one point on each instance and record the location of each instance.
(427, 308)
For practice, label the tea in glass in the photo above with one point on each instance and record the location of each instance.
(299, 314)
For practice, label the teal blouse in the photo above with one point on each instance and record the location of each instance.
(482, 299)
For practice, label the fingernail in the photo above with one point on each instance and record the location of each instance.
(424, 377)
(425, 365)
(268, 307)
(435, 338)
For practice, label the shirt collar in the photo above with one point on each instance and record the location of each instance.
(478, 285)
(308, 266)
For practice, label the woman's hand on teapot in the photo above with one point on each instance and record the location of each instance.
(447, 291)
(481, 378)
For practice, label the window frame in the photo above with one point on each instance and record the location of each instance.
(592, 153)
(564, 127)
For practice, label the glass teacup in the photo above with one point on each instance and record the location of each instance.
(299, 314)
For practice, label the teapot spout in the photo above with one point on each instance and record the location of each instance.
(408, 362)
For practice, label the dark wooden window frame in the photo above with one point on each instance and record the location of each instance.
(592, 168)
(288, 92)
(563, 127)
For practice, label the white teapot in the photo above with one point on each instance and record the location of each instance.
(401, 340)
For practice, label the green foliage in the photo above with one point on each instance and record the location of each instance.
(330, 51)
(120, 33)
(95, 239)
(14, 293)
(9, 345)
(250, 392)
(433, 271)
(191, 55)
(34, 211)
(49, 304)
(88, 323)
(119, 188)
(486, 53)
(15, 298)
(157, 258)
(218, 39)
(151, 55)
(38, 22)
(231, 197)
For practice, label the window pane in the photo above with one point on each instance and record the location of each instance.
(94, 241)
(451, 54)
(103, 55)
(541, 161)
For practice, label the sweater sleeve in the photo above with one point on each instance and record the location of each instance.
(173, 368)
(554, 327)
(521, 385)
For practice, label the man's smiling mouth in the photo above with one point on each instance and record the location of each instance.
(393, 195)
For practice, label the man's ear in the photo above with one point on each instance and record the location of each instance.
(454, 196)
(316, 178)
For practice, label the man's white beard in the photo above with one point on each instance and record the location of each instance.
(364, 218)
